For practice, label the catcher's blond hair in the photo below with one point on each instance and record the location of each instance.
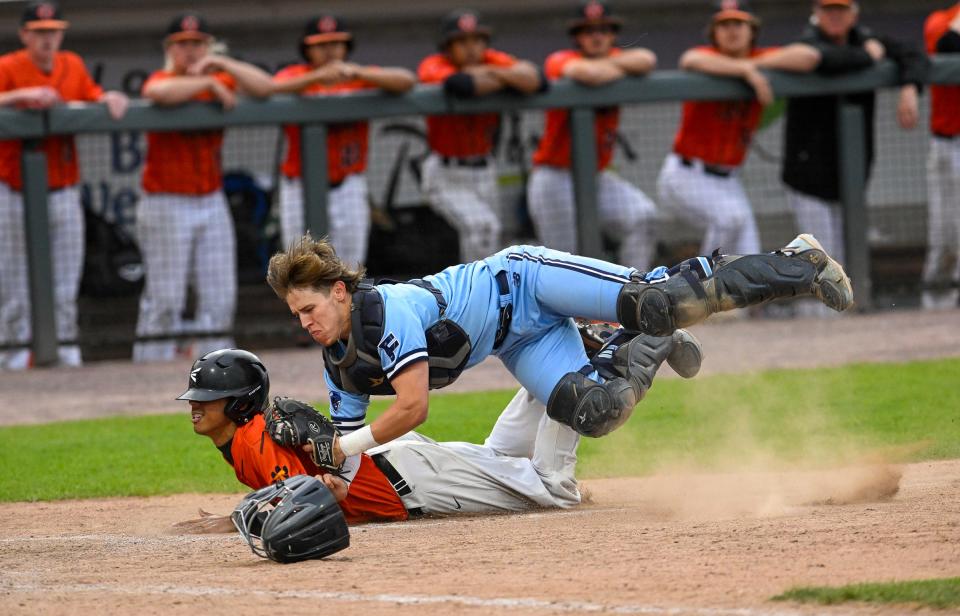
(312, 264)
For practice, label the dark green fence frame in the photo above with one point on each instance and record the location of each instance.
(314, 113)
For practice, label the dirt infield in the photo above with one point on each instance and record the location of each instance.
(708, 544)
(713, 545)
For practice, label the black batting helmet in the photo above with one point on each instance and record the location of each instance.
(230, 373)
(304, 522)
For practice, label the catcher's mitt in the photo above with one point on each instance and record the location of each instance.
(291, 423)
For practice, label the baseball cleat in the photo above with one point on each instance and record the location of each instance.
(831, 285)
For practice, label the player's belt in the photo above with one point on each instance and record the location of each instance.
(945, 136)
(723, 172)
(472, 162)
(396, 480)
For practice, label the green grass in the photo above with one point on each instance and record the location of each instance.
(939, 594)
(829, 416)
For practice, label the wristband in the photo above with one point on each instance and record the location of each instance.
(357, 442)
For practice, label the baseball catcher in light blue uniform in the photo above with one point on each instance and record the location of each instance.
(404, 339)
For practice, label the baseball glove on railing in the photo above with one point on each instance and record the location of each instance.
(291, 423)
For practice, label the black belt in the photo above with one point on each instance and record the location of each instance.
(336, 184)
(395, 479)
(506, 310)
(945, 136)
(473, 162)
(722, 172)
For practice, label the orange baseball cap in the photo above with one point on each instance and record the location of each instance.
(821, 3)
(42, 16)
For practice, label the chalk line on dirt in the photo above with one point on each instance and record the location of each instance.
(353, 597)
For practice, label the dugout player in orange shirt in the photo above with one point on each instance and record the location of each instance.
(325, 46)
(184, 225)
(459, 176)
(941, 272)
(40, 76)
(700, 178)
(626, 214)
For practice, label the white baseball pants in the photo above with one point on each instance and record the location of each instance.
(942, 266)
(717, 205)
(536, 468)
(348, 216)
(185, 240)
(467, 198)
(626, 214)
(67, 243)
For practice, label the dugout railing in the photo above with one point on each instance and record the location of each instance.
(312, 114)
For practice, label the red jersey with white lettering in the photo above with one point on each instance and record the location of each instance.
(944, 100)
(554, 147)
(258, 462)
(185, 162)
(70, 78)
(346, 141)
(461, 136)
(718, 132)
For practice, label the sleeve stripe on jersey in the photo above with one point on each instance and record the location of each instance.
(576, 267)
(406, 360)
(350, 425)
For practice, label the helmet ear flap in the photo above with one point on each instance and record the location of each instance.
(236, 411)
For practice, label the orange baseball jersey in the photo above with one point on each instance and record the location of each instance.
(718, 132)
(461, 136)
(258, 462)
(346, 142)
(554, 147)
(944, 100)
(184, 162)
(71, 79)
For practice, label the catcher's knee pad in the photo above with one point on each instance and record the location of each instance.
(661, 307)
(591, 408)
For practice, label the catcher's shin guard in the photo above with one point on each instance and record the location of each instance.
(801, 268)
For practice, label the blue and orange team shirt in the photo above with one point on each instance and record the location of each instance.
(944, 100)
(554, 150)
(461, 136)
(347, 142)
(185, 162)
(258, 462)
(719, 132)
(70, 78)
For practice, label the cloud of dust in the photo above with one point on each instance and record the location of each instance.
(747, 476)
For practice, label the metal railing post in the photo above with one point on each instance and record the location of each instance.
(583, 167)
(36, 226)
(313, 175)
(853, 196)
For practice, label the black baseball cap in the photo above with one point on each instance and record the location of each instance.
(593, 13)
(326, 29)
(43, 16)
(460, 23)
(188, 26)
(733, 10)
